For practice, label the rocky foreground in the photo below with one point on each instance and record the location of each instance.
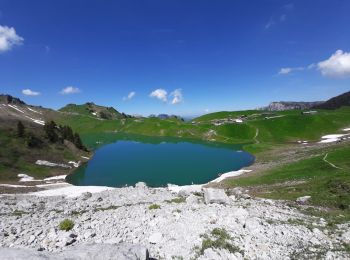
(178, 223)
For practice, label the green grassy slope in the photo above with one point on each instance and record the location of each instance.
(291, 127)
(93, 110)
(328, 186)
(16, 156)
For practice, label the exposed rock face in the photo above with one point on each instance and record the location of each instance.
(8, 99)
(82, 252)
(105, 222)
(291, 105)
(215, 196)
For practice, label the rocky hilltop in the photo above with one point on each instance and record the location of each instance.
(335, 102)
(163, 223)
(8, 99)
(93, 110)
(291, 105)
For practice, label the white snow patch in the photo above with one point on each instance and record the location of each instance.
(346, 129)
(332, 138)
(16, 108)
(51, 184)
(230, 174)
(94, 113)
(59, 177)
(24, 177)
(70, 191)
(84, 157)
(75, 164)
(34, 111)
(51, 164)
(40, 122)
(14, 186)
(188, 188)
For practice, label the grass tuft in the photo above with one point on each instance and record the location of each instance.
(154, 206)
(66, 225)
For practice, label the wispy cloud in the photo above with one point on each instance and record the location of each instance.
(160, 94)
(281, 17)
(29, 92)
(288, 7)
(269, 24)
(177, 96)
(70, 90)
(129, 96)
(9, 38)
(285, 71)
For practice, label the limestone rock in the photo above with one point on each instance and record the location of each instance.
(155, 238)
(86, 195)
(215, 196)
(303, 200)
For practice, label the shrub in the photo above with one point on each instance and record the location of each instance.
(219, 239)
(66, 225)
(154, 206)
(176, 200)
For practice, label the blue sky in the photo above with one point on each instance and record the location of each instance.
(194, 56)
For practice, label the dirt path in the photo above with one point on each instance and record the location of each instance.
(331, 164)
(256, 135)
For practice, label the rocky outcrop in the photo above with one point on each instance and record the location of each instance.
(81, 252)
(290, 105)
(8, 99)
(169, 226)
(215, 196)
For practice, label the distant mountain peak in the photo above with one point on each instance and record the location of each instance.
(8, 99)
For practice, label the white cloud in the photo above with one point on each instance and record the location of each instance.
(206, 110)
(285, 71)
(161, 94)
(29, 92)
(69, 90)
(130, 96)
(336, 66)
(9, 38)
(177, 96)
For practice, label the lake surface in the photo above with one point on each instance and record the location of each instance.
(127, 162)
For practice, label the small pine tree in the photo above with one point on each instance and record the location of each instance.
(77, 141)
(50, 130)
(20, 129)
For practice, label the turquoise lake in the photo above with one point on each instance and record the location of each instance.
(126, 162)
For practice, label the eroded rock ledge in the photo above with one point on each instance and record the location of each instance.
(175, 223)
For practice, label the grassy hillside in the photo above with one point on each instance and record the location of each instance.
(326, 180)
(291, 126)
(93, 110)
(19, 154)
